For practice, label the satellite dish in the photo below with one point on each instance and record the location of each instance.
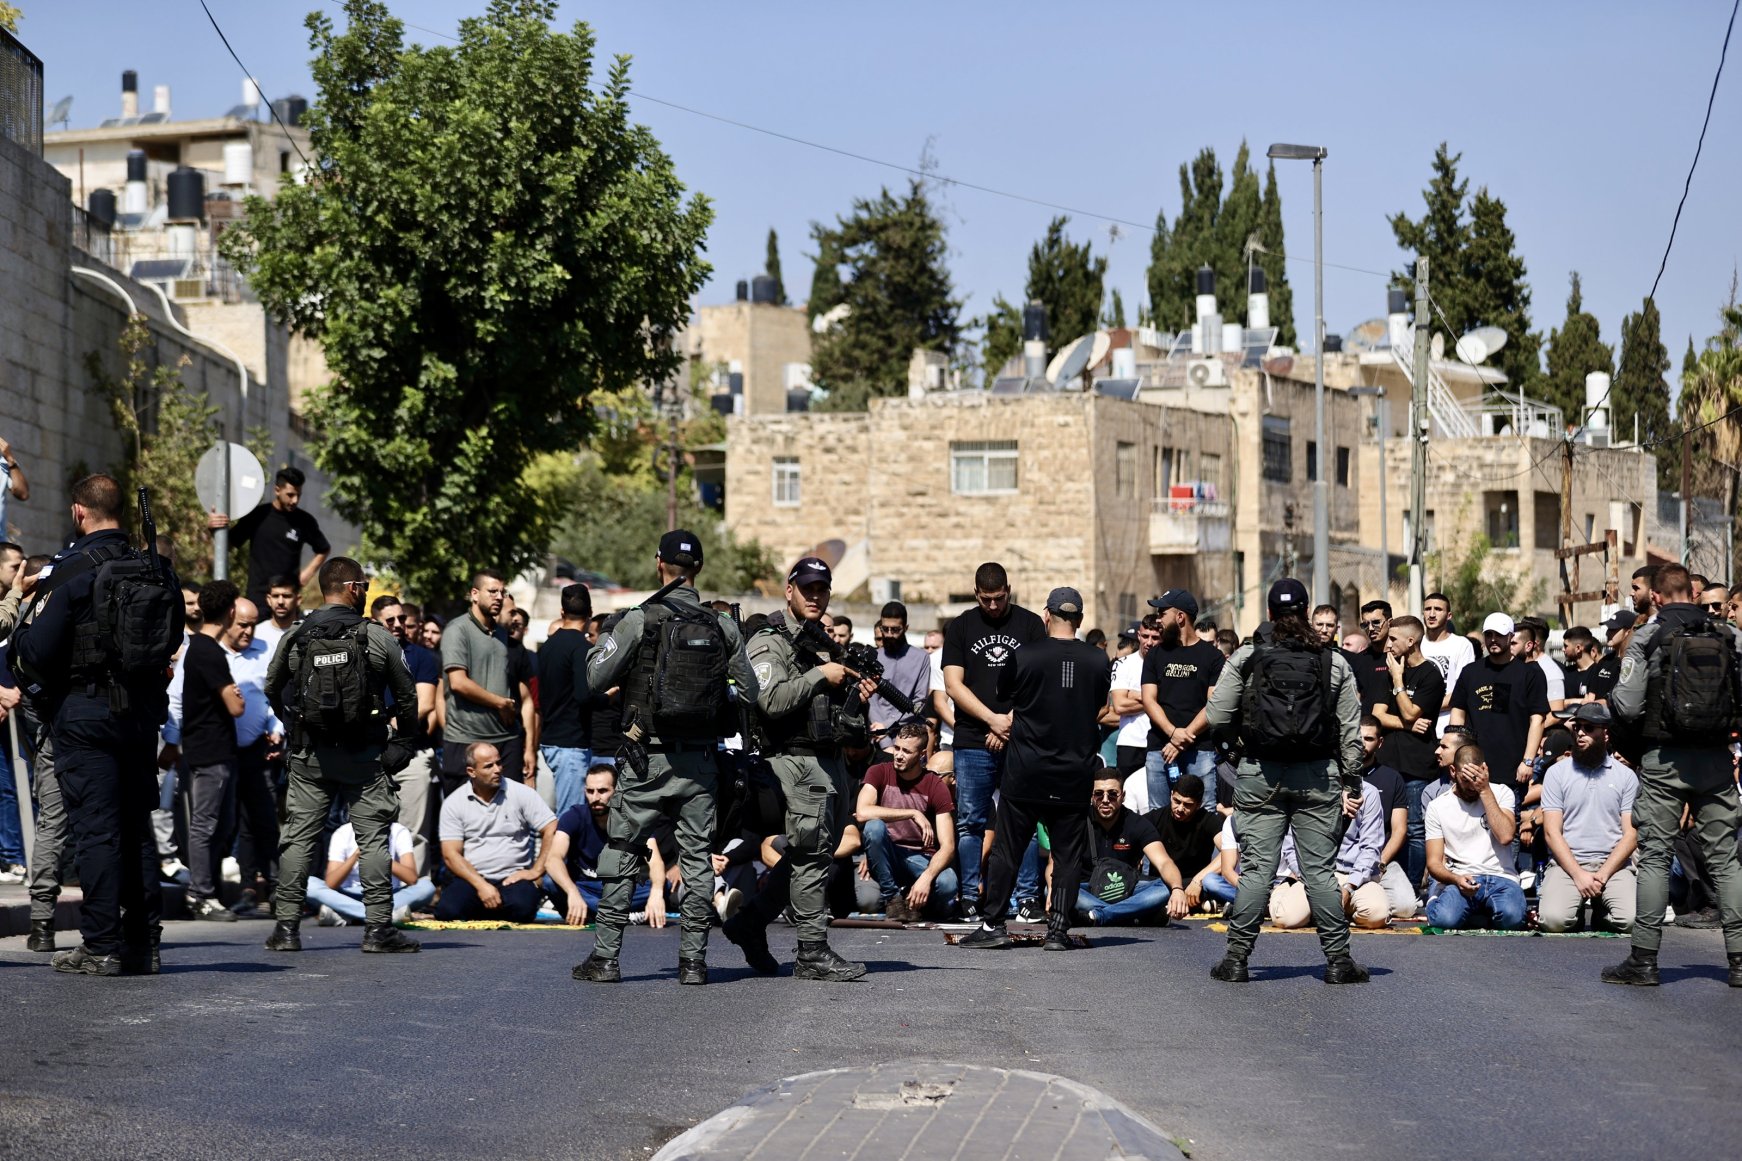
(1072, 358)
(1437, 346)
(62, 112)
(1471, 349)
(1278, 365)
(831, 317)
(1099, 350)
(1369, 336)
(1492, 337)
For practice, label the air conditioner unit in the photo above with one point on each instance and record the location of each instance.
(183, 288)
(1597, 437)
(1207, 373)
(885, 589)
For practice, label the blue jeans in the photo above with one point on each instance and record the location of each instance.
(895, 867)
(1415, 834)
(1162, 776)
(568, 772)
(1499, 898)
(1147, 902)
(351, 906)
(1217, 888)
(977, 774)
(11, 824)
(592, 890)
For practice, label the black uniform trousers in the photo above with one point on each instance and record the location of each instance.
(1067, 828)
(257, 814)
(108, 776)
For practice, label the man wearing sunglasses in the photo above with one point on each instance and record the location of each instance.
(1587, 818)
(1715, 600)
(426, 673)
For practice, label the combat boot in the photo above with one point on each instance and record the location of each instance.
(1639, 969)
(386, 939)
(692, 971)
(818, 961)
(286, 936)
(751, 938)
(79, 961)
(1232, 970)
(1736, 970)
(143, 961)
(41, 935)
(1344, 970)
(598, 971)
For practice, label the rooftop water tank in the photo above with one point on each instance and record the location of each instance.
(101, 206)
(136, 164)
(763, 288)
(1034, 322)
(187, 195)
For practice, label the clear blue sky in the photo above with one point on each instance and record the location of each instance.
(1582, 117)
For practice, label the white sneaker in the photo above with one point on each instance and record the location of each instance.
(401, 915)
(330, 918)
(13, 874)
(174, 871)
(231, 870)
(727, 903)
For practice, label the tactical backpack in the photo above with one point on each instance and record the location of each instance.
(1285, 706)
(1698, 696)
(331, 700)
(685, 655)
(139, 616)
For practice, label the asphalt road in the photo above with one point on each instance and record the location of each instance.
(483, 1046)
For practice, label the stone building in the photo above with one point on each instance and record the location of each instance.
(753, 354)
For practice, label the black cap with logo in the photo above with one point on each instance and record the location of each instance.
(682, 548)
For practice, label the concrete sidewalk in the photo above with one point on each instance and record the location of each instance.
(922, 1109)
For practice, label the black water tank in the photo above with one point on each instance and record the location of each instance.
(763, 288)
(187, 195)
(1333, 344)
(798, 399)
(1034, 322)
(101, 206)
(129, 81)
(1396, 301)
(1206, 280)
(1255, 281)
(290, 109)
(136, 165)
(743, 291)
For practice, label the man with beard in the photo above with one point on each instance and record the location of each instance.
(1640, 590)
(905, 668)
(1469, 849)
(1177, 676)
(1504, 701)
(571, 876)
(1587, 812)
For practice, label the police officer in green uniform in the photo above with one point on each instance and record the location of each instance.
(316, 668)
(806, 708)
(1686, 762)
(1298, 714)
(679, 664)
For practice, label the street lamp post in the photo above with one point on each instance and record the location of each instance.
(1379, 421)
(1321, 493)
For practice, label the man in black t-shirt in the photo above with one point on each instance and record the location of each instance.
(1055, 688)
(1410, 706)
(565, 718)
(210, 705)
(275, 534)
(1177, 676)
(1582, 654)
(980, 645)
(1504, 701)
(1188, 833)
(1119, 841)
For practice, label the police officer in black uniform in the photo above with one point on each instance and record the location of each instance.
(104, 729)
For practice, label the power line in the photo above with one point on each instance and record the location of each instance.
(1711, 99)
(250, 75)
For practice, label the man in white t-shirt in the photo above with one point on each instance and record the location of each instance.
(1587, 810)
(1446, 649)
(1132, 739)
(1530, 643)
(340, 892)
(942, 706)
(1469, 849)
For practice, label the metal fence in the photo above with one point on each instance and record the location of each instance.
(20, 93)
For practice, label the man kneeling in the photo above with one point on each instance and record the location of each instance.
(1469, 850)
(495, 838)
(1358, 871)
(1587, 817)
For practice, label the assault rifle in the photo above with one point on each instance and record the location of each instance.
(860, 660)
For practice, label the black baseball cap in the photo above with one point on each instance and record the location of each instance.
(1590, 712)
(1065, 600)
(1287, 596)
(1180, 599)
(1619, 622)
(1129, 632)
(809, 570)
(681, 547)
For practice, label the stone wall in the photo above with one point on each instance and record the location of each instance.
(760, 336)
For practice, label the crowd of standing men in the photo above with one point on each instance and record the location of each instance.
(768, 767)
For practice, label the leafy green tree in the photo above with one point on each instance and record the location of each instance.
(1003, 336)
(899, 297)
(771, 266)
(1067, 279)
(1236, 233)
(1642, 388)
(1476, 583)
(1176, 253)
(1711, 402)
(1441, 234)
(486, 242)
(1115, 316)
(10, 15)
(1574, 351)
(1273, 260)
(826, 289)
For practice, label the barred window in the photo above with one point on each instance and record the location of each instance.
(983, 467)
(1278, 451)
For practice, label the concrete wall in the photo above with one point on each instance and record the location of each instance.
(51, 319)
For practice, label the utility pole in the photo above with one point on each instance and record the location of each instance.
(673, 452)
(1567, 526)
(1321, 490)
(1418, 430)
(1687, 490)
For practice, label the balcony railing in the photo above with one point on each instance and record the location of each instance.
(1188, 524)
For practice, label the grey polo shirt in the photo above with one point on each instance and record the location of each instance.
(468, 645)
(501, 835)
(1591, 800)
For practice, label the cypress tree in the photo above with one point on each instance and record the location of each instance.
(771, 267)
(826, 277)
(1441, 235)
(1574, 351)
(1273, 261)
(1641, 389)
(1237, 226)
(1115, 316)
(1496, 293)
(1067, 278)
